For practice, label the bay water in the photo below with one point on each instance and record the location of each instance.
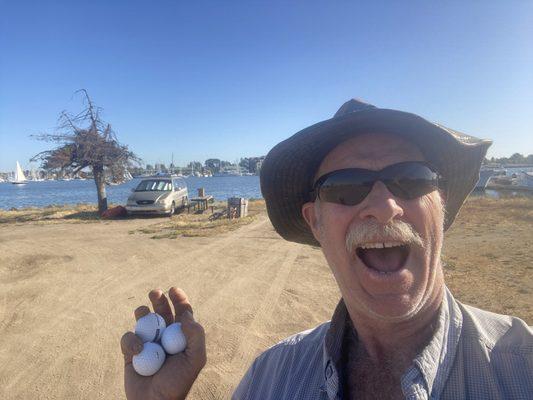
(47, 193)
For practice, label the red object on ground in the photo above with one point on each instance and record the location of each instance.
(114, 212)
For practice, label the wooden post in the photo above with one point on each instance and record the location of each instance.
(201, 192)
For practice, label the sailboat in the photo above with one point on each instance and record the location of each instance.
(20, 178)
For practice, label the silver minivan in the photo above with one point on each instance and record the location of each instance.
(160, 194)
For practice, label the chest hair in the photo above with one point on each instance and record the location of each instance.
(366, 379)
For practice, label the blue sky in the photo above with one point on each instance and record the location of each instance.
(231, 79)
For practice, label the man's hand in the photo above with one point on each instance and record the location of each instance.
(175, 378)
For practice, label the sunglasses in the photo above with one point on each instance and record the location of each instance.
(406, 180)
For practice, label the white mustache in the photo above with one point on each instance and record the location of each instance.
(372, 231)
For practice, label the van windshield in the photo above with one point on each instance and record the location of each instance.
(154, 185)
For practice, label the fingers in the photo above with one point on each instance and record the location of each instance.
(130, 344)
(180, 302)
(161, 305)
(141, 312)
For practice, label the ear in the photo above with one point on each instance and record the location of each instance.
(310, 216)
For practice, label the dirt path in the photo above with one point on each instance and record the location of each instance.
(67, 293)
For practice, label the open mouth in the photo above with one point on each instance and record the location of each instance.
(386, 258)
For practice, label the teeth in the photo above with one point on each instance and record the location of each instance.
(380, 245)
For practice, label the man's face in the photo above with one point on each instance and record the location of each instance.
(397, 282)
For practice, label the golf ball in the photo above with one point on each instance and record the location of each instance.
(150, 327)
(173, 339)
(149, 360)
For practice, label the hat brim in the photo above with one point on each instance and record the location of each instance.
(289, 168)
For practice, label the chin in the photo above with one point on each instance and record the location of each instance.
(394, 308)
(399, 306)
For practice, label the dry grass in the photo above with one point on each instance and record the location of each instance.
(208, 223)
(50, 214)
(489, 258)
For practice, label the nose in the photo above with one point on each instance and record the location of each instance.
(381, 205)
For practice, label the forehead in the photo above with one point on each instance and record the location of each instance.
(371, 151)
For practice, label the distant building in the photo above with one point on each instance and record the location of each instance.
(259, 164)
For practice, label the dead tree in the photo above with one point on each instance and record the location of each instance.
(86, 141)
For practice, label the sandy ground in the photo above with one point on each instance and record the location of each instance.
(68, 291)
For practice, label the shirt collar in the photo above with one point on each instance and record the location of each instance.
(332, 351)
(436, 359)
(334, 337)
(427, 362)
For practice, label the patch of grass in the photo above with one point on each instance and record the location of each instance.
(197, 229)
(83, 213)
(50, 214)
(488, 264)
(202, 224)
(448, 264)
(484, 210)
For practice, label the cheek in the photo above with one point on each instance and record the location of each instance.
(427, 215)
(332, 223)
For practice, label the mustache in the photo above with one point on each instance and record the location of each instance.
(372, 231)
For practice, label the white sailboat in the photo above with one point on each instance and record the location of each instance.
(20, 178)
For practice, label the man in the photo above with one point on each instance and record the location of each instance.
(375, 189)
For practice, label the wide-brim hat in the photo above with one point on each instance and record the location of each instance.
(288, 171)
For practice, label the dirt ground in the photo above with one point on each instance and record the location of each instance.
(68, 291)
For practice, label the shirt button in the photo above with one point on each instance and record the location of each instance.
(329, 372)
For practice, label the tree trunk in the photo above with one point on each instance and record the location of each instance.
(99, 179)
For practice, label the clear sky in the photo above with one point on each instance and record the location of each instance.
(231, 79)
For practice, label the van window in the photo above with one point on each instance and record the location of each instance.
(154, 185)
(179, 184)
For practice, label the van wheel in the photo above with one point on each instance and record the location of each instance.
(172, 209)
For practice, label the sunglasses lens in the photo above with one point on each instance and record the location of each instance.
(346, 187)
(348, 195)
(409, 189)
(410, 180)
(407, 181)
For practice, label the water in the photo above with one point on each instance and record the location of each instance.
(45, 193)
(501, 194)
(514, 170)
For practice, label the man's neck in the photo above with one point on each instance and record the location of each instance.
(405, 339)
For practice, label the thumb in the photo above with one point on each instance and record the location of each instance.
(195, 335)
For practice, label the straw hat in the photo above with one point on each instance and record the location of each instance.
(289, 168)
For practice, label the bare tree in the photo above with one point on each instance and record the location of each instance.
(86, 141)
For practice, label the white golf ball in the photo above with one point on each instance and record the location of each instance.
(150, 327)
(173, 339)
(149, 360)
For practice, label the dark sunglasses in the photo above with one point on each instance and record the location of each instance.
(406, 180)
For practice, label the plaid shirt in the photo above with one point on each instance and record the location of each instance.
(474, 354)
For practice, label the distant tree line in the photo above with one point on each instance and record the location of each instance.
(212, 165)
(516, 158)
